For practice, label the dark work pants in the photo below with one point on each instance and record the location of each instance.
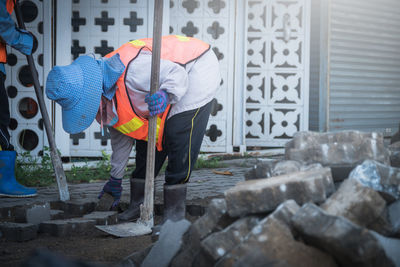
(4, 116)
(183, 135)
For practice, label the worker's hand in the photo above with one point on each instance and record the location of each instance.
(114, 188)
(157, 102)
(26, 42)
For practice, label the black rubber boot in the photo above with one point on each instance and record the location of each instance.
(137, 196)
(174, 206)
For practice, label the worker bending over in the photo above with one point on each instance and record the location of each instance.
(115, 91)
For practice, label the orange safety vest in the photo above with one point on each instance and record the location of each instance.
(178, 49)
(3, 51)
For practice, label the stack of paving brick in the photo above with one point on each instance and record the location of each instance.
(301, 216)
(76, 217)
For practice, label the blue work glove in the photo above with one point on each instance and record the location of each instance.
(25, 42)
(114, 188)
(157, 102)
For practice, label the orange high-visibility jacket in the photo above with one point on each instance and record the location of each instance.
(3, 51)
(178, 49)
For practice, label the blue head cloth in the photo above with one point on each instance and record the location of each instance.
(112, 69)
(78, 88)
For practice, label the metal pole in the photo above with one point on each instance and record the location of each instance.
(146, 213)
(55, 157)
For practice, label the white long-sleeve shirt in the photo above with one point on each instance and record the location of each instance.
(188, 87)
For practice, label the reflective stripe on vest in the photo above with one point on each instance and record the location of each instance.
(3, 51)
(178, 49)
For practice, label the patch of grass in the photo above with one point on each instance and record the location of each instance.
(38, 171)
(34, 171)
(209, 163)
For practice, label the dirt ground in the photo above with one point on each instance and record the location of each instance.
(94, 247)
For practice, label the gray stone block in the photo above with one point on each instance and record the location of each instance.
(391, 247)
(216, 245)
(394, 216)
(105, 203)
(379, 177)
(264, 195)
(215, 219)
(340, 150)
(66, 227)
(103, 217)
(75, 207)
(270, 243)
(18, 231)
(34, 213)
(395, 154)
(361, 205)
(168, 244)
(56, 214)
(284, 213)
(350, 244)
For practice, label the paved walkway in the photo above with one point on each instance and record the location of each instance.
(204, 185)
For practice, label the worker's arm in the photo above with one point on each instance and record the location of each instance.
(10, 34)
(173, 80)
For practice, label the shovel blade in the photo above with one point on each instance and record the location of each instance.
(126, 229)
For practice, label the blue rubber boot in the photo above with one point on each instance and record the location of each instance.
(9, 187)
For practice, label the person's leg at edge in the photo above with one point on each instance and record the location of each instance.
(184, 135)
(9, 187)
(137, 180)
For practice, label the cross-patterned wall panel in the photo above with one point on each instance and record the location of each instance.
(99, 27)
(26, 126)
(213, 22)
(276, 70)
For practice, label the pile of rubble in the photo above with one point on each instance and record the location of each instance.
(333, 201)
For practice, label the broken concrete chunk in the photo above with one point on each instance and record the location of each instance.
(395, 154)
(379, 177)
(168, 244)
(341, 151)
(18, 231)
(284, 213)
(262, 169)
(270, 243)
(285, 167)
(218, 244)
(34, 213)
(361, 205)
(270, 168)
(394, 216)
(350, 244)
(215, 219)
(264, 195)
(391, 247)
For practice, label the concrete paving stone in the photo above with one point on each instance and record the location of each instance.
(57, 215)
(348, 243)
(34, 213)
(103, 217)
(378, 176)
(218, 244)
(361, 205)
(75, 207)
(215, 219)
(264, 195)
(18, 231)
(203, 186)
(61, 228)
(394, 216)
(168, 244)
(270, 243)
